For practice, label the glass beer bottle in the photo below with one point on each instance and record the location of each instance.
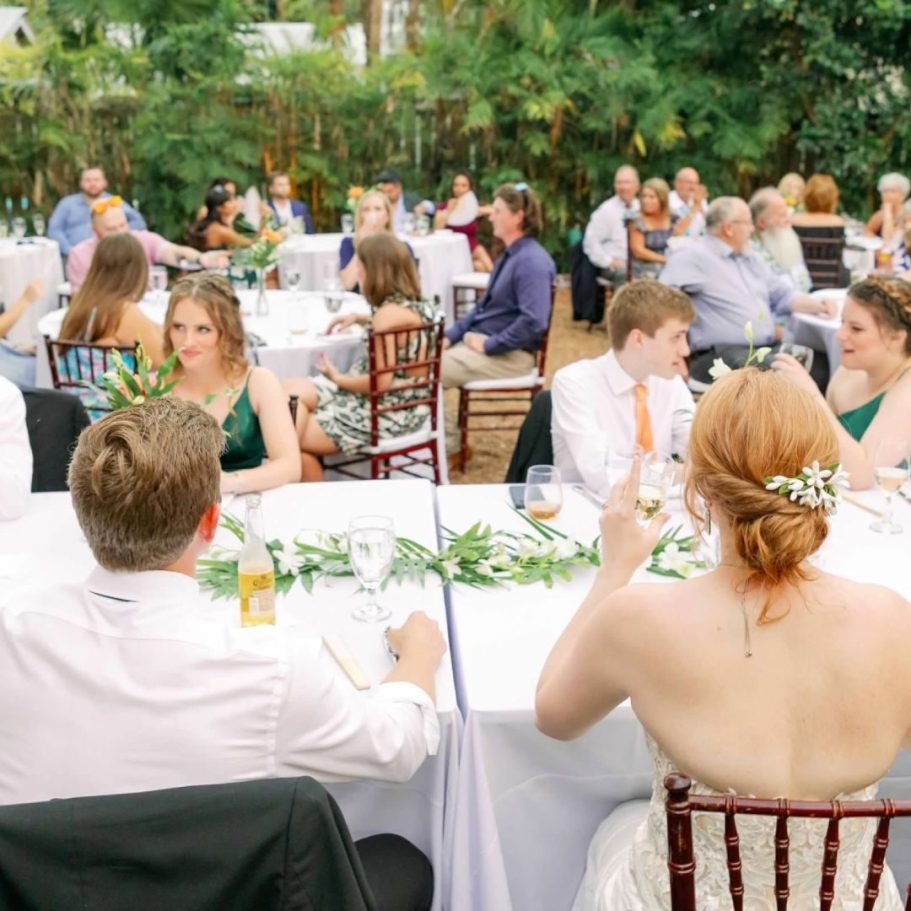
(255, 573)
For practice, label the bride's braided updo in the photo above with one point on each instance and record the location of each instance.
(749, 426)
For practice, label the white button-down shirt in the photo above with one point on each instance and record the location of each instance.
(132, 682)
(15, 453)
(605, 237)
(594, 413)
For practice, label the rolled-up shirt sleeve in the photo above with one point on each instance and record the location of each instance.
(532, 287)
(328, 729)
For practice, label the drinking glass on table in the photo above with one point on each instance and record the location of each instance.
(371, 550)
(347, 223)
(801, 353)
(890, 469)
(543, 492)
(39, 224)
(19, 227)
(158, 278)
(293, 278)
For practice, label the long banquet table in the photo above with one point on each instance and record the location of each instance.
(528, 805)
(440, 255)
(47, 540)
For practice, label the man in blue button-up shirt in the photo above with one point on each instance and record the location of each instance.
(729, 287)
(500, 335)
(71, 220)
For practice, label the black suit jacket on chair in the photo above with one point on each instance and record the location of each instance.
(273, 845)
(54, 420)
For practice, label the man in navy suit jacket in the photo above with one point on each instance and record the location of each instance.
(281, 203)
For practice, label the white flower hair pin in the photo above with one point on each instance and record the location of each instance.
(813, 487)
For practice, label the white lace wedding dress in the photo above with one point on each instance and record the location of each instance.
(627, 859)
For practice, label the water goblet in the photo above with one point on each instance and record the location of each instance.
(292, 278)
(347, 223)
(801, 353)
(19, 227)
(890, 469)
(39, 224)
(543, 492)
(409, 224)
(371, 550)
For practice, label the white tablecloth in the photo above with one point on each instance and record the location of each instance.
(440, 256)
(285, 354)
(20, 264)
(49, 540)
(528, 805)
(816, 332)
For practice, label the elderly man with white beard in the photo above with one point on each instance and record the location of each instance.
(775, 241)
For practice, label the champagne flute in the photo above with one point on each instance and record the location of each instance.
(890, 469)
(543, 492)
(371, 550)
(801, 353)
(655, 477)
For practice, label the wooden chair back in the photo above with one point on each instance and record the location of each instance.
(416, 352)
(74, 363)
(681, 863)
(822, 254)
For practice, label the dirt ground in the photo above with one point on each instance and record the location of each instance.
(569, 342)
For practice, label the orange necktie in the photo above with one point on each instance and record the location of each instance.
(643, 419)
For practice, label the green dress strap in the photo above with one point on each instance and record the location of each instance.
(244, 444)
(857, 420)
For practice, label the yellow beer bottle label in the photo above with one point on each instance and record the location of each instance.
(257, 597)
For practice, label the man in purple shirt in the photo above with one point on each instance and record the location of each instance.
(498, 338)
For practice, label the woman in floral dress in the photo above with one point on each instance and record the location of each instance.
(334, 411)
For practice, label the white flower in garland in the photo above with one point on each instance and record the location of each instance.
(567, 548)
(289, 561)
(450, 568)
(674, 560)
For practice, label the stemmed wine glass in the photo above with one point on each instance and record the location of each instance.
(371, 550)
(655, 478)
(19, 227)
(890, 469)
(39, 224)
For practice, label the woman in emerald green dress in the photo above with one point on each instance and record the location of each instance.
(869, 395)
(203, 324)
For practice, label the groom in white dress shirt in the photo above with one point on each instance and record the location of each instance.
(131, 681)
(634, 395)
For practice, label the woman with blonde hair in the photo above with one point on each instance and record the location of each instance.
(203, 325)
(650, 230)
(334, 412)
(105, 310)
(373, 215)
(766, 676)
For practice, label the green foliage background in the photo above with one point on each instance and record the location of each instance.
(558, 93)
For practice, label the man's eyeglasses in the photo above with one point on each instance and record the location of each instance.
(100, 206)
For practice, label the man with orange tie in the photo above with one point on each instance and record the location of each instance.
(634, 395)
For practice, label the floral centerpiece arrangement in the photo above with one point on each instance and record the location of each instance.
(479, 557)
(123, 387)
(354, 194)
(262, 257)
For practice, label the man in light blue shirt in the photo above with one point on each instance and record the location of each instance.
(71, 220)
(731, 286)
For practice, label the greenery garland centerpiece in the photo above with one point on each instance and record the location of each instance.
(262, 257)
(479, 557)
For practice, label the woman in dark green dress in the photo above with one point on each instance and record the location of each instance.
(869, 396)
(203, 323)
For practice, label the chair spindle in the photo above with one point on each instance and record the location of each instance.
(735, 867)
(782, 863)
(829, 866)
(680, 861)
(877, 862)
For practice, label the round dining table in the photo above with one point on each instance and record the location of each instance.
(20, 263)
(272, 343)
(440, 256)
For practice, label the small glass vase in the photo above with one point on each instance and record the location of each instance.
(262, 302)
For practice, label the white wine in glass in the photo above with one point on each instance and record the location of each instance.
(655, 476)
(543, 492)
(890, 471)
(650, 501)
